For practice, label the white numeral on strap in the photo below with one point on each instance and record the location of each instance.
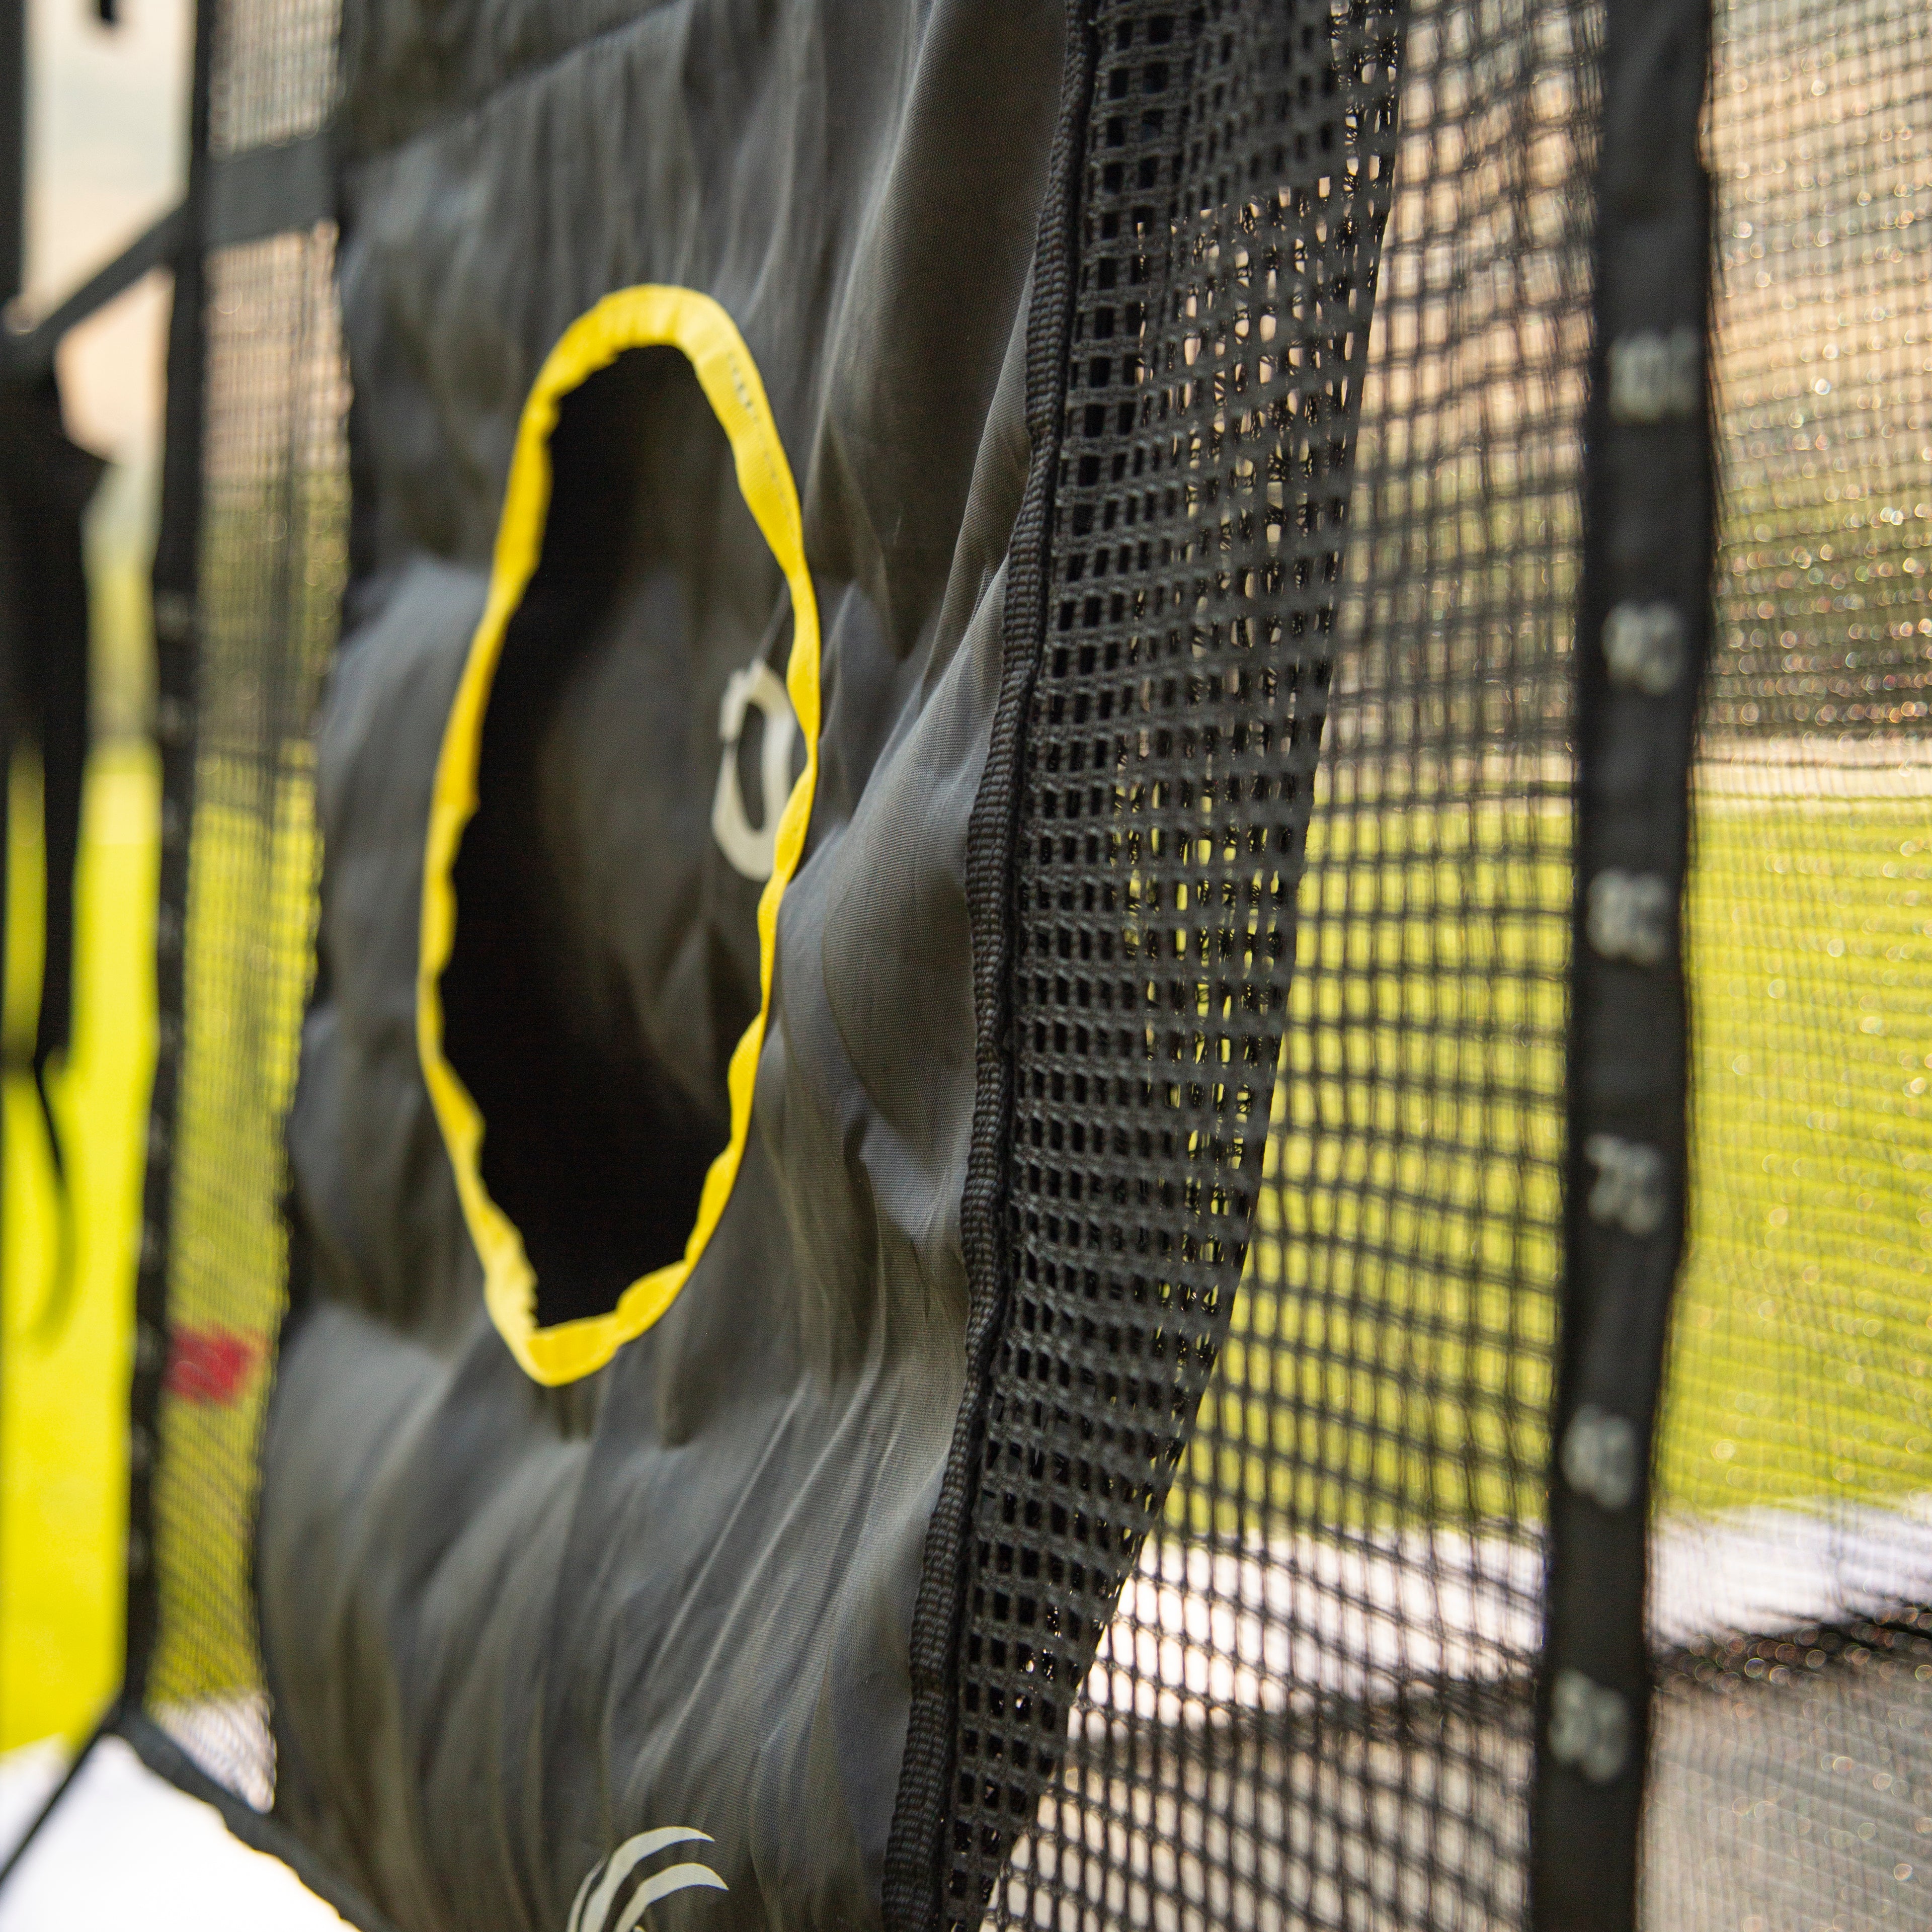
(1628, 916)
(1655, 377)
(1630, 1192)
(1589, 1727)
(1644, 647)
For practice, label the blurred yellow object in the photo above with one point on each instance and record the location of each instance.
(63, 1395)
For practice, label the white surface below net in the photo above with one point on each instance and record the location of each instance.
(1202, 1629)
(126, 1849)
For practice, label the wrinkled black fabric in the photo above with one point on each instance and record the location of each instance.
(507, 1628)
(45, 483)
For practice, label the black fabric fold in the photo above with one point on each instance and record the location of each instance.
(47, 482)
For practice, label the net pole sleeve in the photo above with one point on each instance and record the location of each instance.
(13, 147)
(175, 581)
(13, 266)
(1642, 632)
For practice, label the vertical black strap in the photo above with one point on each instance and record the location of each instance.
(176, 586)
(56, 662)
(1642, 632)
(58, 656)
(13, 147)
(47, 482)
(13, 264)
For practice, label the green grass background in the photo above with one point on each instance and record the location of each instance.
(1803, 1364)
(1391, 1350)
(63, 1394)
(1390, 1353)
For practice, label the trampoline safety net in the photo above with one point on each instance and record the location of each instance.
(1791, 1549)
(242, 652)
(1268, 1417)
(1237, 1604)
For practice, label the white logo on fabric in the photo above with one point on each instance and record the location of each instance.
(753, 853)
(597, 1896)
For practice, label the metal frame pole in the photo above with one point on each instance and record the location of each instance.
(13, 147)
(13, 277)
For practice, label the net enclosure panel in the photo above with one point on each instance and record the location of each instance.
(1252, 1586)
(262, 507)
(1792, 1557)
(1256, 1591)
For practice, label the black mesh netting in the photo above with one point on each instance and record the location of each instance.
(1304, 696)
(273, 514)
(1254, 1561)
(1791, 1558)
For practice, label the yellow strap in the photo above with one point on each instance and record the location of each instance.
(631, 319)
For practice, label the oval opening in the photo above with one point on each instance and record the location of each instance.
(594, 968)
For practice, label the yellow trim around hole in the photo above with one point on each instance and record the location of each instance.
(639, 318)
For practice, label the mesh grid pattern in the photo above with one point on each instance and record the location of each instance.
(1310, 1704)
(273, 532)
(274, 72)
(1256, 1560)
(1792, 1553)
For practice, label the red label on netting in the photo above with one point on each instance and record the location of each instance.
(211, 1365)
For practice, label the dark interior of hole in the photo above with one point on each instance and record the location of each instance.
(590, 1147)
(748, 757)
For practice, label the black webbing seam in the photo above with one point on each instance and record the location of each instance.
(257, 192)
(166, 1759)
(915, 1856)
(176, 579)
(1643, 623)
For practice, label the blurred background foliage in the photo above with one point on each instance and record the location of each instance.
(105, 157)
